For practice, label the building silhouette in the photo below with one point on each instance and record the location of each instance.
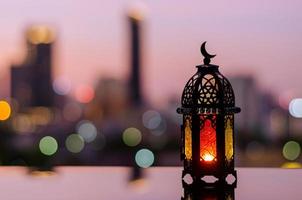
(31, 81)
(258, 109)
(135, 58)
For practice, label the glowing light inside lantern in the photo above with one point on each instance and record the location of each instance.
(207, 141)
(208, 157)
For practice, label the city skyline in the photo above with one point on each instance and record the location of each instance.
(257, 39)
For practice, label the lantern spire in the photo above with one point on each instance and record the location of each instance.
(206, 55)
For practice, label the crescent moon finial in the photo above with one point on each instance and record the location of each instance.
(206, 55)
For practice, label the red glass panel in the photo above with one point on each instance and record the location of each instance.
(207, 141)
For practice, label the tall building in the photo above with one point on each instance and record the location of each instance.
(31, 81)
(135, 60)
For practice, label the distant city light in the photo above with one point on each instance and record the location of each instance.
(87, 130)
(84, 94)
(41, 115)
(132, 136)
(152, 119)
(291, 150)
(48, 145)
(74, 143)
(61, 86)
(295, 107)
(144, 158)
(72, 111)
(5, 110)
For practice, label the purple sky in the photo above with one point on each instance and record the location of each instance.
(263, 38)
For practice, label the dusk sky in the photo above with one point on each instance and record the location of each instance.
(259, 38)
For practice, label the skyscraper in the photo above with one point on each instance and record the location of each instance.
(31, 81)
(135, 74)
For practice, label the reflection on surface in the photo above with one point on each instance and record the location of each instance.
(42, 173)
(220, 192)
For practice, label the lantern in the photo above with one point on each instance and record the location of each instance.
(207, 132)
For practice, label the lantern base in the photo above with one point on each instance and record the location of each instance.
(208, 192)
(205, 180)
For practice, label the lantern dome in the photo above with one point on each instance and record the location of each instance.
(208, 88)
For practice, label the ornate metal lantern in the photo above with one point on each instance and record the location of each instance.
(207, 133)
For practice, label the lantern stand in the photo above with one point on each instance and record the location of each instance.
(207, 132)
(223, 192)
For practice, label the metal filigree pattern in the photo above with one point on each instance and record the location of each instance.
(187, 95)
(205, 89)
(229, 99)
(208, 90)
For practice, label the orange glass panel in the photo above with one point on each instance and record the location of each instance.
(229, 149)
(188, 140)
(207, 142)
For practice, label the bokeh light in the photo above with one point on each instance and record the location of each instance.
(295, 108)
(74, 143)
(5, 110)
(151, 119)
(144, 158)
(160, 129)
(41, 115)
(84, 93)
(291, 150)
(61, 86)
(291, 165)
(48, 145)
(22, 123)
(87, 130)
(132, 136)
